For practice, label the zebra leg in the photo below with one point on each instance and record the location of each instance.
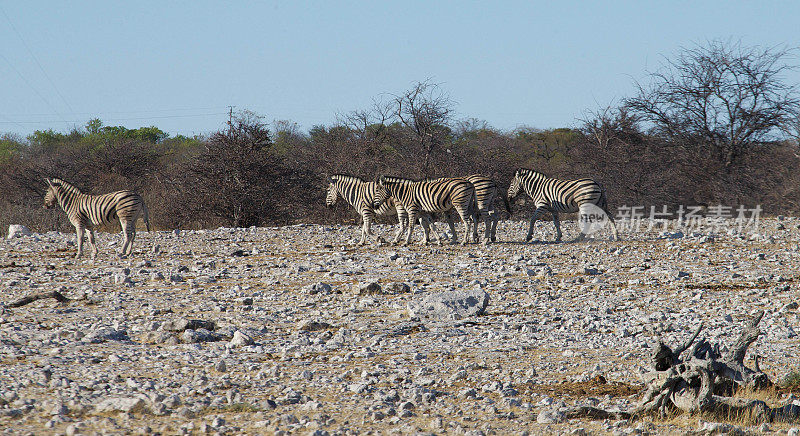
(453, 234)
(487, 234)
(582, 211)
(131, 237)
(378, 239)
(464, 215)
(613, 225)
(92, 243)
(558, 227)
(79, 232)
(533, 221)
(427, 224)
(126, 239)
(402, 220)
(431, 219)
(412, 218)
(364, 227)
(495, 219)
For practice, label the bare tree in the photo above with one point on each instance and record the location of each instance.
(723, 96)
(610, 124)
(426, 110)
(233, 177)
(369, 125)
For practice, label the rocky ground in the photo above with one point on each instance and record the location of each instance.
(294, 330)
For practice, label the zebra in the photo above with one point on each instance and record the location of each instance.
(556, 196)
(86, 211)
(429, 196)
(486, 193)
(360, 195)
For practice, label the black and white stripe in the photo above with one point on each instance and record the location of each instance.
(487, 192)
(361, 195)
(431, 196)
(86, 211)
(558, 196)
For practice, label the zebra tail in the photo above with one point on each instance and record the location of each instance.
(506, 203)
(146, 216)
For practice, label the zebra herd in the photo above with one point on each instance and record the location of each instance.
(469, 197)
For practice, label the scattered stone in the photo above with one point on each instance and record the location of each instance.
(240, 340)
(181, 324)
(311, 325)
(397, 288)
(371, 288)
(550, 416)
(319, 288)
(121, 404)
(450, 305)
(17, 230)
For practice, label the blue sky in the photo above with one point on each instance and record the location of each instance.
(178, 65)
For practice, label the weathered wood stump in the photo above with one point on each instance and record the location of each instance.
(58, 296)
(703, 381)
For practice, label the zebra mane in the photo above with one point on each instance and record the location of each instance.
(347, 177)
(64, 185)
(529, 171)
(392, 179)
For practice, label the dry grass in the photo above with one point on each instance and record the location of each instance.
(597, 386)
(790, 383)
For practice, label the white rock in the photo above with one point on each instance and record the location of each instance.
(450, 305)
(121, 404)
(240, 340)
(17, 230)
(549, 416)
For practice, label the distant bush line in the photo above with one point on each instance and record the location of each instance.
(250, 175)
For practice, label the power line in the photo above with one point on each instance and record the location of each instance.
(114, 112)
(118, 119)
(30, 52)
(34, 89)
(10, 122)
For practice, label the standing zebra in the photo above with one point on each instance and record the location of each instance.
(486, 193)
(556, 196)
(86, 211)
(429, 196)
(360, 195)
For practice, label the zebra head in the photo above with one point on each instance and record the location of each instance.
(516, 186)
(333, 192)
(381, 193)
(51, 197)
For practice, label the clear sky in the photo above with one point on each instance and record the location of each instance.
(177, 65)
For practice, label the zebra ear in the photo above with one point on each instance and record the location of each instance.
(331, 179)
(49, 182)
(380, 179)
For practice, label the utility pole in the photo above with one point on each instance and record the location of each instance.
(230, 119)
